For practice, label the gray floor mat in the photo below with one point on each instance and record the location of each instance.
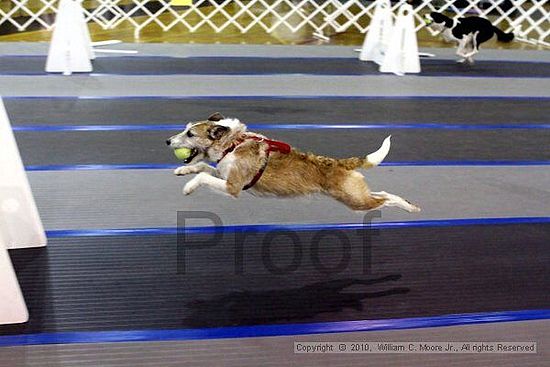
(151, 198)
(73, 111)
(261, 85)
(168, 282)
(145, 147)
(143, 65)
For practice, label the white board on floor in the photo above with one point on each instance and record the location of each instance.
(20, 223)
(12, 304)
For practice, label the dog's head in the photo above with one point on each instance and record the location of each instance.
(439, 21)
(207, 139)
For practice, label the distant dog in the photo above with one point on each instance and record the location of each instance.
(469, 33)
(249, 160)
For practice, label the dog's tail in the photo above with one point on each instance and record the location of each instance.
(371, 160)
(502, 36)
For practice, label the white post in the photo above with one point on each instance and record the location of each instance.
(402, 53)
(71, 46)
(20, 224)
(379, 35)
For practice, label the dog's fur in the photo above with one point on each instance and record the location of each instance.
(291, 174)
(468, 32)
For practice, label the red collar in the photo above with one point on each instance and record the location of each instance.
(272, 146)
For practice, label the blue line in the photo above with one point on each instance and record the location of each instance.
(99, 167)
(390, 125)
(280, 126)
(210, 97)
(312, 73)
(262, 228)
(298, 58)
(108, 167)
(54, 128)
(465, 163)
(271, 330)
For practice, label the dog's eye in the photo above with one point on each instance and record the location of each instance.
(190, 134)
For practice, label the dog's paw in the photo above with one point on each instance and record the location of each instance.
(414, 209)
(183, 170)
(411, 208)
(190, 187)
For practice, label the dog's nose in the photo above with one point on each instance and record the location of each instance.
(169, 141)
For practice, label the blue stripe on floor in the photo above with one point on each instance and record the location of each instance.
(262, 228)
(211, 97)
(106, 167)
(280, 126)
(466, 163)
(351, 57)
(271, 330)
(98, 167)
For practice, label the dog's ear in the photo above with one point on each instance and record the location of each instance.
(216, 117)
(217, 132)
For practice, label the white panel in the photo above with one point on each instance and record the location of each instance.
(12, 305)
(70, 47)
(402, 54)
(20, 224)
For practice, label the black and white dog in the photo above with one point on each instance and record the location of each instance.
(468, 32)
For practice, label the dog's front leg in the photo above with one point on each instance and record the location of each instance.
(204, 179)
(195, 168)
(461, 48)
(470, 54)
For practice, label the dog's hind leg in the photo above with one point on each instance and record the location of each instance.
(460, 50)
(479, 38)
(476, 39)
(464, 45)
(353, 191)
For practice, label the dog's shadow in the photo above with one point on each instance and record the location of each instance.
(271, 306)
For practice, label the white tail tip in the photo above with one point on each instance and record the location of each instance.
(377, 157)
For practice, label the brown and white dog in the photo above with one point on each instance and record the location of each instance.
(249, 160)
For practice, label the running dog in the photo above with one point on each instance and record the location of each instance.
(247, 160)
(468, 32)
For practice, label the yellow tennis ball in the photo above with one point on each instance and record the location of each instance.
(182, 153)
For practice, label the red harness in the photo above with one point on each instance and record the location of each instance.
(272, 146)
